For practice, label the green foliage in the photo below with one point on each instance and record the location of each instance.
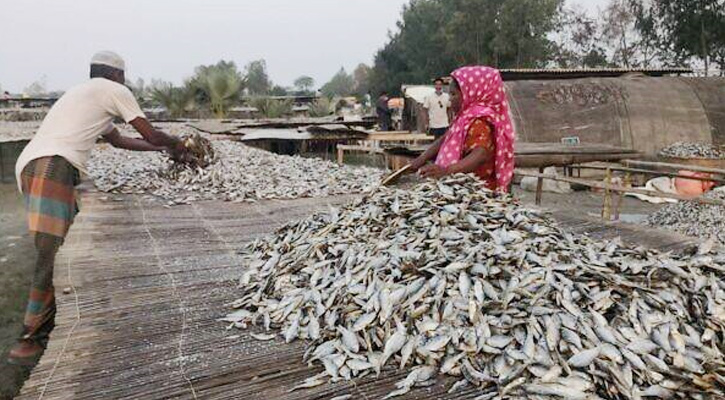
(436, 36)
(580, 43)
(304, 84)
(278, 90)
(177, 100)
(361, 76)
(321, 107)
(342, 84)
(218, 86)
(619, 33)
(684, 30)
(258, 82)
(141, 92)
(272, 108)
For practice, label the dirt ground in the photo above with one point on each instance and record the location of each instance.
(16, 266)
(589, 203)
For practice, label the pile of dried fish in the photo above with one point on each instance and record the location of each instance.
(694, 219)
(238, 173)
(200, 151)
(693, 150)
(450, 279)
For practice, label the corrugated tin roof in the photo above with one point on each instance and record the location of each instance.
(596, 70)
(512, 74)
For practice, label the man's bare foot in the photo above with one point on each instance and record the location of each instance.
(25, 352)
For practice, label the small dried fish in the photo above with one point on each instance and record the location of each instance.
(224, 170)
(511, 303)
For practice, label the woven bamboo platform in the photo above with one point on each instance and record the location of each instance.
(148, 285)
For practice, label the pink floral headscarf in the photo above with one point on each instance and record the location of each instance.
(483, 98)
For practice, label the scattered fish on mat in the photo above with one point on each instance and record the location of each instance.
(225, 170)
(692, 218)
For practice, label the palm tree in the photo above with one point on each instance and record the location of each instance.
(223, 87)
(272, 108)
(177, 100)
(218, 85)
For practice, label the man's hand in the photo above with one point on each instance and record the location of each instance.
(433, 171)
(179, 153)
(122, 142)
(152, 135)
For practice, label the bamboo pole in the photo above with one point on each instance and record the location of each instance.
(607, 206)
(601, 185)
(649, 172)
(670, 166)
(539, 187)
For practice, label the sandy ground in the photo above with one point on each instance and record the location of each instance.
(17, 260)
(589, 203)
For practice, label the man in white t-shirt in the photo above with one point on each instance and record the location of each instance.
(47, 172)
(437, 105)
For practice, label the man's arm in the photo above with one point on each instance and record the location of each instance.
(154, 136)
(123, 142)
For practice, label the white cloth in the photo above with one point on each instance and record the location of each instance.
(437, 106)
(77, 120)
(661, 184)
(110, 59)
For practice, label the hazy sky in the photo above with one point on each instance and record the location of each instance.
(168, 38)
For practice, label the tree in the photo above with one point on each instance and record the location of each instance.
(258, 82)
(684, 30)
(521, 38)
(579, 41)
(176, 100)
(304, 84)
(618, 31)
(321, 107)
(434, 37)
(38, 88)
(141, 91)
(278, 90)
(361, 76)
(219, 86)
(224, 88)
(272, 108)
(342, 84)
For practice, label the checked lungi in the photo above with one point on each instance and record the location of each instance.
(48, 184)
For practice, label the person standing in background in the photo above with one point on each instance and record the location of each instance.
(438, 106)
(382, 109)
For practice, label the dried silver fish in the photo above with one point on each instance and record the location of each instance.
(224, 170)
(450, 278)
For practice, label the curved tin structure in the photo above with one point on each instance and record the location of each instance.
(633, 111)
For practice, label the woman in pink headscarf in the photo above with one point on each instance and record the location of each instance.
(481, 138)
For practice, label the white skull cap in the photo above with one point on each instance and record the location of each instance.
(110, 59)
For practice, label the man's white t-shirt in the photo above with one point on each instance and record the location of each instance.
(77, 120)
(437, 106)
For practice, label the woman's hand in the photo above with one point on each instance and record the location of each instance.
(417, 164)
(433, 171)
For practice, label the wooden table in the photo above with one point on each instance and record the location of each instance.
(541, 155)
(375, 143)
